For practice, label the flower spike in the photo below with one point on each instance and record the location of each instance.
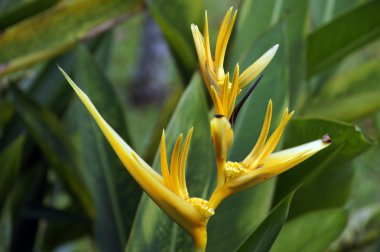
(261, 163)
(169, 190)
(223, 92)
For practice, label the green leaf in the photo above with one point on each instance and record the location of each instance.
(323, 11)
(252, 204)
(255, 17)
(328, 168)
(58, 29)
(49, 135)
(27, 183)
(56, 234)
(6, 5)
(295, 15)
(265, 235)
(56, 97)
(174, 20)
(10, 160)
(6, 113)
(153, 230)
(350, 95)
(313, 232)
(6, 230)
(115, 193)
(23, 11)
(332, 42)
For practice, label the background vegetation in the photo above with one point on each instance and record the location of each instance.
(61, 186)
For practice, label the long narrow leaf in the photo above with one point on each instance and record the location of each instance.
(265, 235)
(326, 178)
(115, 193)
(58, 29)
(332, 42)
(10, 160)
(52, 139)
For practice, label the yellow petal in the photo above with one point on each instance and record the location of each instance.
(222, 41)
(217, 103)
(291, 157)
(225, 92)
(164, 163)
(174, 166)
(152, 183)
(234, 91)
(222, 138)
(263, 136)
(272, 142)
(198, 41)
(278, 163)
(257, 67)
(182, 163)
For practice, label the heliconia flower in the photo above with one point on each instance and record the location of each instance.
(168, 191)
(222, 90)
(261, 163)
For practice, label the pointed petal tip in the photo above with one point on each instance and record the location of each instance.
(326, 139)
(271, 52)
(270, 104)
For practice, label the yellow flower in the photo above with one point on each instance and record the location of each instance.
(223, 92)
(261, 163)
(168, 191)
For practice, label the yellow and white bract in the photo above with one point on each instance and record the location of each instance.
(261, 163)
(223, 92)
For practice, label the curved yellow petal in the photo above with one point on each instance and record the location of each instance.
(233, 92)
(217, 103)
(291, 157)
(222, 41)
(182, 163)
(276, 164)
(263, 136)
(272, 142)
(257, 67)
(174, 166)
(177, 208)
(164, 163)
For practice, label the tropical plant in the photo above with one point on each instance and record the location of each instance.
(61, 183)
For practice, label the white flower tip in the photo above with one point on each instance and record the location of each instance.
(194, 27)
(326, 139)
(271, 52)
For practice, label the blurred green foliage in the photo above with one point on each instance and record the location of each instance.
(61, 185)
